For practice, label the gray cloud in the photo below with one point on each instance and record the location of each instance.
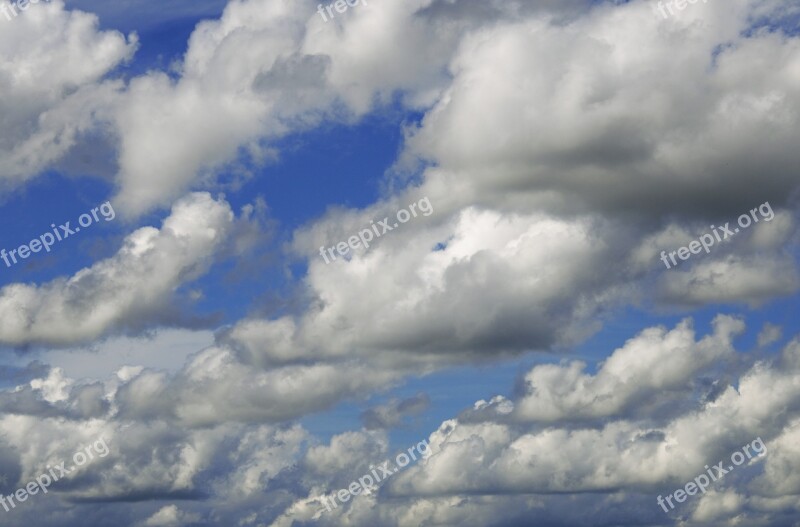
(394, 412)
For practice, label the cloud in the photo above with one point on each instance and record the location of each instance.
(220, 107)
(605, 126)
(562, 148)
(456, 287)
(52, 66)
(733, 279)
(503, 468)
(503, 465)
(170, 516)
(214, 387)
(123, 292)
(637, 374)
(769, 333)
(306, 71)
(394, 412)
(102, 359)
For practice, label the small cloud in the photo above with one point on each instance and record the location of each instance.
(393, 413)
(170, 516)
(769, 333)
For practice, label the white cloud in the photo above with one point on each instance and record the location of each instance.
(119, 293)
(496, 284)
(170, 516)
(52, 63)
(649, 366)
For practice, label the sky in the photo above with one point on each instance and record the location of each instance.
(539, 256)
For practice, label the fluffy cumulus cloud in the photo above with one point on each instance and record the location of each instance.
(289, 70)
(265, 69)
(52, 68)
(584, 163)
(562, 146)
(633, 375)
(499, 464)
(126, 290)
(658, 411)
(425, 289)
(216, 387)
(599, 122)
